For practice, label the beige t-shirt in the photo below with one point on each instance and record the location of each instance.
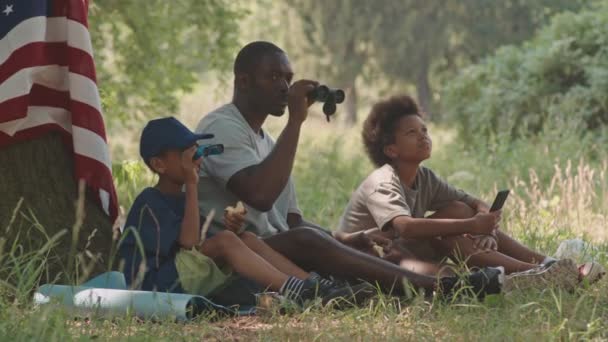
(242, 148)
(381, 197)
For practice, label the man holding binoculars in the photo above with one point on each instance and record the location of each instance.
(256, 170)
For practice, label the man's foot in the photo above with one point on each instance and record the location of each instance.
(485, 281)
(590, 272)
(562, 273)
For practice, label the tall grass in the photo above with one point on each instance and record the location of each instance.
(553, 199)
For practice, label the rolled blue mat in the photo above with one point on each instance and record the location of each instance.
(107, 295)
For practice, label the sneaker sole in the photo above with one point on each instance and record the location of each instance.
(561, 274)
(593, 272)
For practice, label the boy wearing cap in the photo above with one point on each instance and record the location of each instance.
(162, 231)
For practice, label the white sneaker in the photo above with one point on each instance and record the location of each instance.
(561, 274)
(590, 272)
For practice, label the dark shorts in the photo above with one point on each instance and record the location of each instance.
(422, 249)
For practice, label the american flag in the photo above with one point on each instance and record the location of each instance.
(48, 83)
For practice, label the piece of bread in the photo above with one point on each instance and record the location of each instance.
(238, 209)
(379, 250)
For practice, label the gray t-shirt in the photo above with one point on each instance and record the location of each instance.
(242, 148)
(382, 197)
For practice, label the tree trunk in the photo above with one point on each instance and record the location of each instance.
(38, 180)
(423, 88)
(350, 105)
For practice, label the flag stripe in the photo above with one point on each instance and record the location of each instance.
(21, 83)
(101, 179)
(49, 30)
(38, 116)
(72, 9)
(90, 144)
(87, 142)
(37, 54)
(83, 115)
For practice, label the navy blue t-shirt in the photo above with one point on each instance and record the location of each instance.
(157, 218)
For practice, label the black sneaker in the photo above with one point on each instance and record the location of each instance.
(345, 296)
(485, 281)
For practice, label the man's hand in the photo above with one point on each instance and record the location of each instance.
(190, 167)
(234, 218)
(485, 223)
(298, 100)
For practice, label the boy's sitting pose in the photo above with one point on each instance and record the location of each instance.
(394, 199)
(164, 226)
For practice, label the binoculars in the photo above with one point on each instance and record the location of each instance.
(330, 98)
(207, 150)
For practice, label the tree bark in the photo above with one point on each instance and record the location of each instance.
(350, 105)
(40, 174)
(423, 89)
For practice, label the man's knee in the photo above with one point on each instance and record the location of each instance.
(455, 210)
(248, 236)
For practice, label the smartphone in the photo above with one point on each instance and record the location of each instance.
(501, 197)
(207, 150)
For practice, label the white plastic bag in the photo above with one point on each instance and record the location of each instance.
(577, 250)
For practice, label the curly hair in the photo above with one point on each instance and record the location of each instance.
(379, 127)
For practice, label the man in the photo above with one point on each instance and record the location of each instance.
(256, 170)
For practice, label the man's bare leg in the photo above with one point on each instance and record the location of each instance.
(273, 257)
(312, 249)
(426, 267)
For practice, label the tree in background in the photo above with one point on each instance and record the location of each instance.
(556, 82)
(418, 38)
(409, 41)
(337, 37)
(149, 50)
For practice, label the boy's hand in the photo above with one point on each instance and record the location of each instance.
(363, 242)
(298, 101)
(190, 167)
(482, 207)
(485, 242)
(234, 218)
(485, 223)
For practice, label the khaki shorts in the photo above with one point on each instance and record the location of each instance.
(198, 274)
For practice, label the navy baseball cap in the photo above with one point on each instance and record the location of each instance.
(164, 134)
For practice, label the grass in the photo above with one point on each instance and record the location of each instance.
(555, 199)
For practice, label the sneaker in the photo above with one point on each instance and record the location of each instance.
(345, 296)
(485, 281)
(562, 273)
(590, 272)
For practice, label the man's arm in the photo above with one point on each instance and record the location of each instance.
(296, 220)
(260, 185)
